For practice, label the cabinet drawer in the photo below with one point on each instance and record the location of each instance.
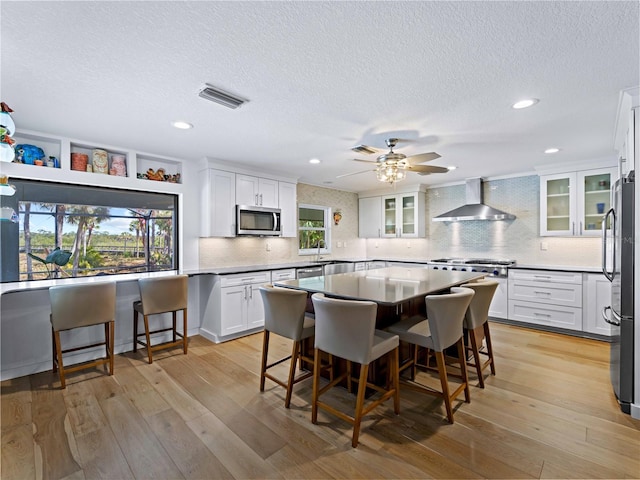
(288, 274)
(540, 314)
(562, 294)
(245, 278)
(543, 276)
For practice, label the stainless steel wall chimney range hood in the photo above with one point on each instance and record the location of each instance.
(474, 209)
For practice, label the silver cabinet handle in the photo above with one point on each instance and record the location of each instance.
(255, 201)
(580, 227)
(573, 228)
(245, 292)
(260, 199)
(538, 314)
(541, 293)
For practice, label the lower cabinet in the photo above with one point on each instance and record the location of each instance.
(232, 305)
(547, 298)
(597, 296)
(499, 307)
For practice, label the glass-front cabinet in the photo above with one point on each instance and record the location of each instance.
(403, 215)
(574, 203)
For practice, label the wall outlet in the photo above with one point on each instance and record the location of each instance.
(544, 245)
(408, 244)
(268, 247)
(339, 244)
(376, 245)
(344, 244)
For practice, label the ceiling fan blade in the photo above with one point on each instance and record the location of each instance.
(426, 169)
(353, 173)
(422, 157)
(366, 161)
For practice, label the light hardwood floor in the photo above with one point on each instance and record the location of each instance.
(548, 413)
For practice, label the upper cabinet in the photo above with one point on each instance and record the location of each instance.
(393, 216)
(217, 203)
(256, 191)
(574, 203)
(222, 189)
(403, 215)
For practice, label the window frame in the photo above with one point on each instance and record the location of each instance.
(327, 211)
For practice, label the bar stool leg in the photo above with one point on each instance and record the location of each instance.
(362, 386)
(442, 372)
(292, 373)
(185, 343)
(487, 336)
(135, 331)
(59, 356)
(174, 325)
(316, 386)
(111, 343)
(263, 364)
(146, 332)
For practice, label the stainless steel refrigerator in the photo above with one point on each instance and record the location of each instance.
(620, 313)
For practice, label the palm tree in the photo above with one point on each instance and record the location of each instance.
(82, 216)
(27, 239)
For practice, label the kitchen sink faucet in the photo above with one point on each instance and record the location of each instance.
(320, 243)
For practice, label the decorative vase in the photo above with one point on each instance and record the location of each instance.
(79, 161)
(100, 161)
(118, 166)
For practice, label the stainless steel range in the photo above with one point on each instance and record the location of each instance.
(492, 267)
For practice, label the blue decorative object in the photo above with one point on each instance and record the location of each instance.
(28, 154)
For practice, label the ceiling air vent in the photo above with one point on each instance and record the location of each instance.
(363, 149)
(216, 95)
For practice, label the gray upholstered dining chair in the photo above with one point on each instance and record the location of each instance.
(346, 329)
(442, 328)
(75, 306)
(284, 315)
(477, 325)
(157, 296)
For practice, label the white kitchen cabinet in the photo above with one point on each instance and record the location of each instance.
(218, 203)
(287, 198)
(499, 307)
(241, 307)
(284, 274)
(549, 298)
(597, 296)
(370, 217)
(403, 215)
(256, 191)
(573, 203)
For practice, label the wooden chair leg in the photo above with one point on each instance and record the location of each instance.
(463, 371)
(292, 373)
(54, 353)
(316, 386)
(59, 357)
(473, 338)
(357, 419)
(487, 336)
(173, 317)
(442, 372)
(395, 380)
(110, 347)
(185, 343)
(135, 330)
(148, 337)
(263, 363)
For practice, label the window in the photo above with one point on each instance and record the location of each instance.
(73, 231)
(314, 229)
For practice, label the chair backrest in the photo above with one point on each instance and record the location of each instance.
(82, 305)
(284, 310)
(446, 316)
(163, 294)
(345, 328)
(478, 311)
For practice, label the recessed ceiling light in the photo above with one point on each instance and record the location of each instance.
(182, 125)
(525, 103)
(451, 167)
(314, 160)
(552, 150)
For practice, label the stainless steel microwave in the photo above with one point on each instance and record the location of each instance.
(257, 221)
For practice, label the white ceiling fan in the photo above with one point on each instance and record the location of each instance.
(391, 167)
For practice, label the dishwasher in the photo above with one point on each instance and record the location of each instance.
(309, 272)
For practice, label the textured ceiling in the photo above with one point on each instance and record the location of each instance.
(324, 76)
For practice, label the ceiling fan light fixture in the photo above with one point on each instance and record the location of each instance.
(214, 94)
(552, 150)
(390, 173)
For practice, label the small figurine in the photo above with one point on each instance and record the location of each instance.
(157, 175)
